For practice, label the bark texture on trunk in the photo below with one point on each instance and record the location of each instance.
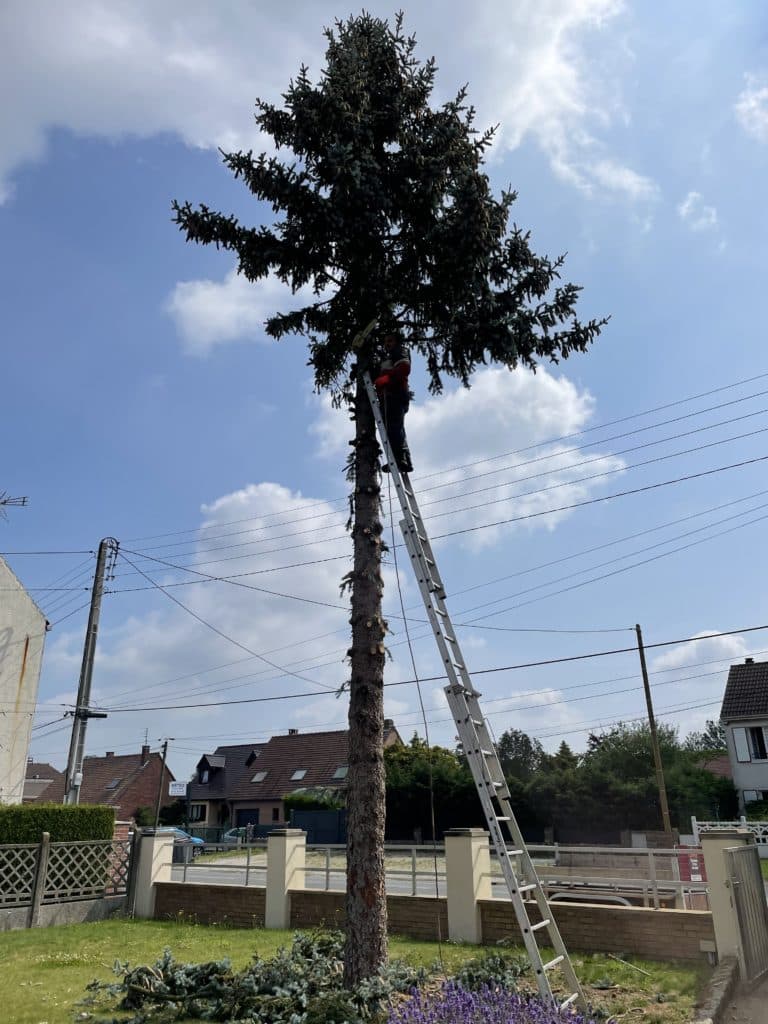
(366, 941)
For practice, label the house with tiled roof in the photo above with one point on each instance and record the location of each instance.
(246, 784)
(125, 781)
(43, 784)
(744, 716)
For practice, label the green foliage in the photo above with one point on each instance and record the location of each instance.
(25, 823)
(711, 740)
(494, 970)
(409, 769)
(303, 983)
(613, 785)
(757, 810)
(384, 209)
(520, 756)
(319, 800)
(144, 816)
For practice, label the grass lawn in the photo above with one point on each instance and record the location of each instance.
(764, 867)
(44, 971)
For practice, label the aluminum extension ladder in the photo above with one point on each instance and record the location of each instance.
(478, 745)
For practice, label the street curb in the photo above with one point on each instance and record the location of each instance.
(718, 992)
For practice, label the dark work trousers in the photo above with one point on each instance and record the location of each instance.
(394, 407)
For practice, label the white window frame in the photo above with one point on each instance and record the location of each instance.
(260, 776)
(741, 745)
(299, 774)
(765, 742)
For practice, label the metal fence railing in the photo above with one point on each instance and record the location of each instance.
(621, 875)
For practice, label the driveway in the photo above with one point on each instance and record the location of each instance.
(749, 1007)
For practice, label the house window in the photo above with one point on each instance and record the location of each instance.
(275, 814)
(341, 771)
(298, 774)
(751, 795)
(757, 744)
(741, 745)
(259, 777)
(204, 775)
(197, 812)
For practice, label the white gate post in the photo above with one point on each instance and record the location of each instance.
(286, 860)
(154, 865)
(467, 880)
(720, 891)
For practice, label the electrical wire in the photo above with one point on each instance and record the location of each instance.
(225, 636)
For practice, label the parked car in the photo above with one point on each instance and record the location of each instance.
(180, 837)
(235, 835)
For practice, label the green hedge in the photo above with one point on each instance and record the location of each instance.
(25, 823)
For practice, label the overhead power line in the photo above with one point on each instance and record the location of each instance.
(223, 635)
(539, 444)
(478, 672)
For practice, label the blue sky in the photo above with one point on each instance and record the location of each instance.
(143, 399)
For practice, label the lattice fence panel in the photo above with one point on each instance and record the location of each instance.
(17, 875)
(86, 870)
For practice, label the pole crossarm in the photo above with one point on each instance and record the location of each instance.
(477, 742)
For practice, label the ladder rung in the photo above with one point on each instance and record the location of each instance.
(514, 853)
(571, 999)
(503, 817)
(553, 963)
(527, 888)
(487, 753)
(541, 924)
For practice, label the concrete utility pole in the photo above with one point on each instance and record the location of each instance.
(654, 735)
(106, 558)
(166, 741)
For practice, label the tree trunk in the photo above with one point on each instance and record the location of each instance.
(366, 945)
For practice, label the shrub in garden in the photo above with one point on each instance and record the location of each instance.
(25, 823)
(454, 1004)
(301, 984)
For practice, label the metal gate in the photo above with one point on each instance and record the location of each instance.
(749, 899)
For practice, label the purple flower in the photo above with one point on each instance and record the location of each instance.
(456, 1005)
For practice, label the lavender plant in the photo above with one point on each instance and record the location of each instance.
(453, 1004)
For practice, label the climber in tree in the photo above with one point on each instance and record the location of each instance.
(394, 396)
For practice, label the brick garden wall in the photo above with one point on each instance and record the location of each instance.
(644, 932)
(211, 904)
(654, 934)
(414, 916)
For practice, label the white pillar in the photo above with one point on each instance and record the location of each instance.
(286, 859)
(155, 855)
(467, 880)
(720, 891)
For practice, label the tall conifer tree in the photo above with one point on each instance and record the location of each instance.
(383, 208)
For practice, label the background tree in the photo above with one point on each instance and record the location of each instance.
(520, 756)
(383, 210)
(711, 740)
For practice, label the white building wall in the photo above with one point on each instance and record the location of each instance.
(22, 637)
(750, 773)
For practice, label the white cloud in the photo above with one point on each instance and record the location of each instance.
(694, 212)
(731, 648)
(617, 178)
(139, 69)
(210, 313)
(752, 107)
(502, 412)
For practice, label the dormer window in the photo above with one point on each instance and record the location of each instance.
(204, 776)
(341, 772)
(259, 777)
(298, 774)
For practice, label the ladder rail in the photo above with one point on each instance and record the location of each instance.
(476, 740)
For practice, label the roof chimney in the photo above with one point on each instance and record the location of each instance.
(293, 732)
(749, 661)
(110, 753)
(144, 753)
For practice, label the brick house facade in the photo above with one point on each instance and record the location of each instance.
(125, 782)
(246, 783)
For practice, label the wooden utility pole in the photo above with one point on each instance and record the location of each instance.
(107, 554)
(162, 777)
(654, 735)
